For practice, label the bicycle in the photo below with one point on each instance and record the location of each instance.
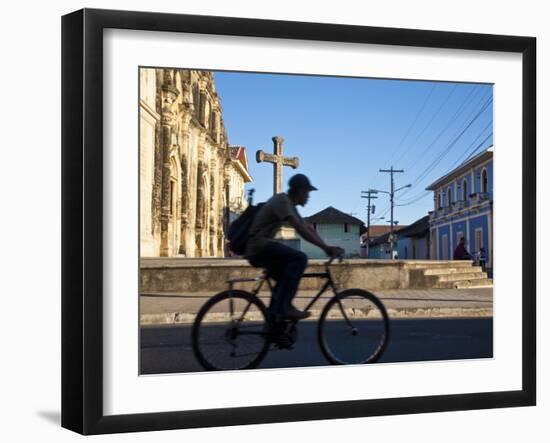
(234, 330)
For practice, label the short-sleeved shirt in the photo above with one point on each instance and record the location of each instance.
(270, 218)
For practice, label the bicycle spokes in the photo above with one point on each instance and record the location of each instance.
(229, 332)
(353, 328)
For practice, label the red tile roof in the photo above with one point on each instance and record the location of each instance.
(378, 230)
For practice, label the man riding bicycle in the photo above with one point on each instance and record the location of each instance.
(283, 263)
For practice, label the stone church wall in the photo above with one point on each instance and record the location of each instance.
(185, 165)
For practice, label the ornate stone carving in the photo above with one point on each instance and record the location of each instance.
(201, 196)
(192, 160)
(184, 191)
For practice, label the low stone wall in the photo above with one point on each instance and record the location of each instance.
(179, 275)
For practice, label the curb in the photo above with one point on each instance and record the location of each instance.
(179, 318)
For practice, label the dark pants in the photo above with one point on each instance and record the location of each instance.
(285, 265)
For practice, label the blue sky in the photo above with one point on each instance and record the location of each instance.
(345, 129)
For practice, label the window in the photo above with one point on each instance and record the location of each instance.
(346, 227)
(449, 200)
(172, 197)
(445, 247)
(196, 100)
(484, 182)
(464, 190)
(479, 239)
(439, 203)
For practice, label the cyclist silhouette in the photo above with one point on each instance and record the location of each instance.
(284, 264)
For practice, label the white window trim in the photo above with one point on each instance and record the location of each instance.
(483, 170)
(475, 239)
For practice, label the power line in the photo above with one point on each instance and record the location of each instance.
(438, 159)
(467, 151)
(450, 122)
(458, 111)
(425, 127)
(453, 118)
(412, 125)
(425, 194)
(477, 148)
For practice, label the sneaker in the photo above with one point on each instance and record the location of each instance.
(296, 314)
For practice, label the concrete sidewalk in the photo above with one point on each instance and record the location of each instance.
(172, 308)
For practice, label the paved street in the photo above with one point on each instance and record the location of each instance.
(167, 348)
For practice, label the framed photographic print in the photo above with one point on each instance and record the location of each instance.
(269, 221)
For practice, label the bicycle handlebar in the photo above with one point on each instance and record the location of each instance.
(331, 259)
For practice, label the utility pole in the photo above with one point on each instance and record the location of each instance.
(250, 196)
(392, 193)
(370, 196)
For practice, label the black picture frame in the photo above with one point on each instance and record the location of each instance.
(82, 216)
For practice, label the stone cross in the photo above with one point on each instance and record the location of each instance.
(278, 161)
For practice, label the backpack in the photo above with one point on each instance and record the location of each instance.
(239, 230)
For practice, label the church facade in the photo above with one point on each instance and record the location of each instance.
(191, 179)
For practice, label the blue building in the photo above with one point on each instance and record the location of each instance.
(463, 207)
(380, 248)
(413, 241)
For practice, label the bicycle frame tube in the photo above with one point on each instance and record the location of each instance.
(326, 275)
(328, 283)
(321, 291)
(254, 292)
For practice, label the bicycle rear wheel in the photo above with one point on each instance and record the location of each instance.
(231, 332)
(353, 328)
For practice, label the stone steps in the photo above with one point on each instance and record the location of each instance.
(454, 275)
(465, 284)
(443, 270)
(482, 283)
(460, 276)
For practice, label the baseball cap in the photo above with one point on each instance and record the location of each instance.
(300, 181)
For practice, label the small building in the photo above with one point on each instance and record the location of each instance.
(336, 228)
(236, 176)
(373, 232)
(381, 248)
(463, 207)
(413, 241)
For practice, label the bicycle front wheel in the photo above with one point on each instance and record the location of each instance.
(230, 332)
(353, 328)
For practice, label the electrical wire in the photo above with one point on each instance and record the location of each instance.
(425, 194)
(450, 122)
(440, 157)
(453, 118)
(412, 124)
